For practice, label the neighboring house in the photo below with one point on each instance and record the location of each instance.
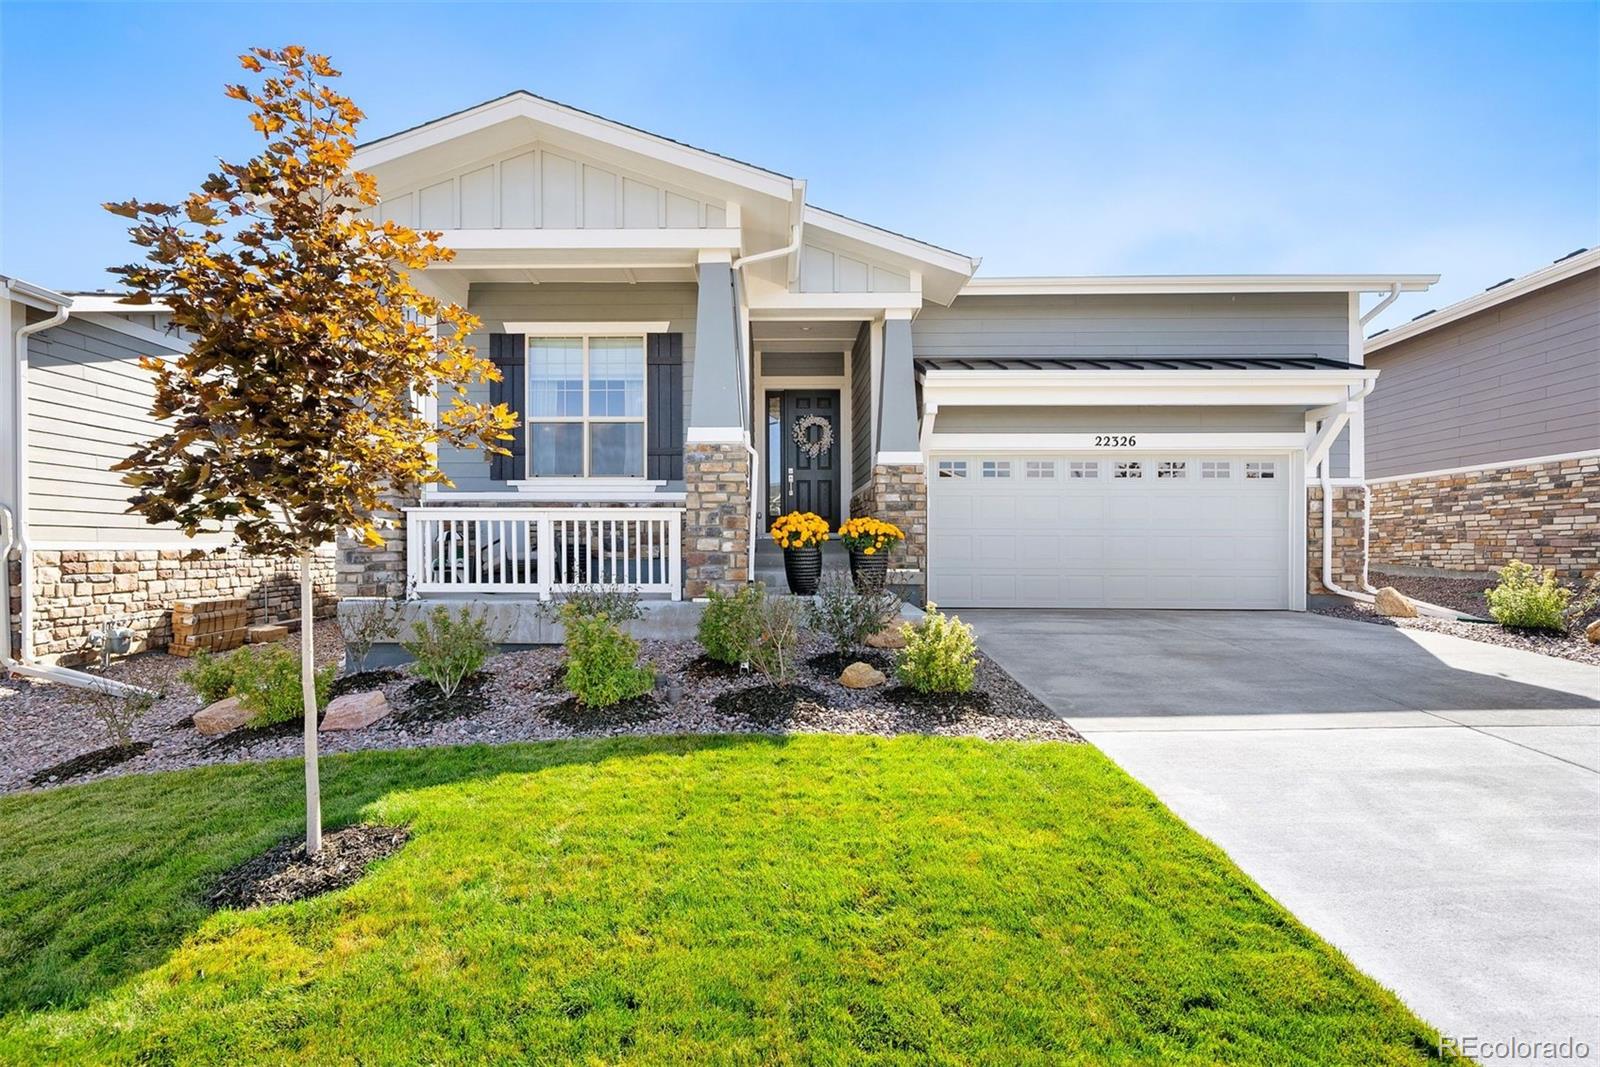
(1483, 438)
(693, 348)
(73, 401)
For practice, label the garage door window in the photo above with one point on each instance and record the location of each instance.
(1040, 469)
(1132, 469)
(1172, 468)
(1260, 470)
(1215, 469)
(1084, 468)
(952, 468)
(997, 468)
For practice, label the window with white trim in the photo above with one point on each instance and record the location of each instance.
(1130, 469)
(997, 468)
(586, 405)
(1216, 469)
(1172, 468)
(952, 468)
(1040, 469)
(1262, 469)
(1083, 468)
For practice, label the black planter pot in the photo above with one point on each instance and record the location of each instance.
(868, 572)
(803, 568)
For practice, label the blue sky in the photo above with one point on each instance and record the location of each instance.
(1118, 139)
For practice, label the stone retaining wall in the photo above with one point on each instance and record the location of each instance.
(1547, 514)
(898, 493)
(1348, 505)
(75, 593)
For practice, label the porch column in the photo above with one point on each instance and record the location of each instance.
(716, 459)
(899, 491)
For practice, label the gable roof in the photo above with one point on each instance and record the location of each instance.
(1568, 266)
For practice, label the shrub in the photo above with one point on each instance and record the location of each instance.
(848, 617)
(774, 651)
(210, 677)
(602, 662)
(731, 625)
(117, 712)
(1528, 597)
(618, 605)
(378, 621)
(449, 647)
(940, 656)
(266, 679)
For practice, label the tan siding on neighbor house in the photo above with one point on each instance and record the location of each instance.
(1516, 381)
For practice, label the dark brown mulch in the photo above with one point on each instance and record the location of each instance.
(89, 762)
(361, 681)
(834, 663)
(704, 668)
(579, 716)
(246, 736)
(284, 874)
(941, 707)
(426, 702)
(766, 705)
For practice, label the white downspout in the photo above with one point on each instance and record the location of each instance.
(1326, 479)
(14, 535)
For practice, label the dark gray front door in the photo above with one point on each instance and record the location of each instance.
(804, 475)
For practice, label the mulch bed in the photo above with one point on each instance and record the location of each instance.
(284, 873)
(766, 706)
(100, 759)
(247, 737)
(579, 716)
(1571, 645)
(361, 681)
(426, 702)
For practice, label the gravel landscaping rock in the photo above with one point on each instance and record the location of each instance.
(1569, 645)
(284, 873)
(1458, 594)
(518, 697)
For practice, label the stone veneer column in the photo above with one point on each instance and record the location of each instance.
(1348, 532)
(381, 572)
(900, 495)
(716, 519)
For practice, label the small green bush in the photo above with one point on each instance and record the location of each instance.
(778, 641)
(211, 677)
(731, 625)
(450, 647)
(266, 679)
(1528, 597)
(846, 616)
(602, 662)
(618, 605)
(940, 655)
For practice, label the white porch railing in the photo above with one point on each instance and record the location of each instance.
(542, 551)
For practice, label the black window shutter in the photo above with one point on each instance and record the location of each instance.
(506, 353)
(664, 419)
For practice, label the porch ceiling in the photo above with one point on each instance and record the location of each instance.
(804, 336)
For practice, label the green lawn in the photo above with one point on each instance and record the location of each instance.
(734, 899)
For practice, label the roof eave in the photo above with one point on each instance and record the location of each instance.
(1198, 283)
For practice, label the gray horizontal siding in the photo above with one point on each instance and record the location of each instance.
(861, 408)
(88, 407)
(498, 303)
(1515, 381)
(1256, 324)
(1198, 419)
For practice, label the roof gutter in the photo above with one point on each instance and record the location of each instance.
(13, 521)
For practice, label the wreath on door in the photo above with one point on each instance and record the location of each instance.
(813, 446)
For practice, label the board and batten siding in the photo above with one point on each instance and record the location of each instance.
(1049, 419)
(88, 408)
(1515, 381)
(1221, 324)
(497, 303)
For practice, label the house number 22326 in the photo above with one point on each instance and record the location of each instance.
(1115, 440)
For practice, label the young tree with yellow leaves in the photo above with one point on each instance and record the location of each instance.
(293, 411)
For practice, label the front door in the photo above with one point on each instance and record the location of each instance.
(804, 453)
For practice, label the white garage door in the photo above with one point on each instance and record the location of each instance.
(1113, 531)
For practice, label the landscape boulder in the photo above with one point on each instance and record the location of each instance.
(262, 632)
(861, 676)
(888, 637)
(222, 717)
(355, 710)
(1393, 603)
(1592, 632)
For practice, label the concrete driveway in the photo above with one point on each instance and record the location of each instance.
(1428, 804)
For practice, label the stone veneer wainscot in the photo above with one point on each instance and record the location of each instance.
(1348, 532)
(716, 518)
